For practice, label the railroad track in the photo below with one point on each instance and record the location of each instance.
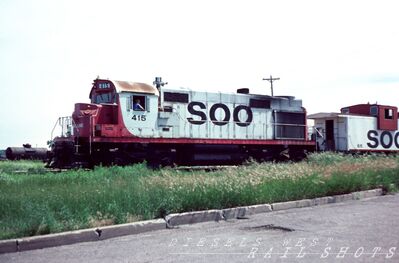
(206, 168)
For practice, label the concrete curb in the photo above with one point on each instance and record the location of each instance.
(263, 208)
(367, 194)
(8, 246)
(58, 239)
(172, 220)
(131, 228)
(322, 200)
(292, 204)
(85, 235)
(326, 200)
(245, 211)
(340, 198)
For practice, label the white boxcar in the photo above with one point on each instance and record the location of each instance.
(358, 128)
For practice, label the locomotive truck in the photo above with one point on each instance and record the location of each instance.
(129, 122)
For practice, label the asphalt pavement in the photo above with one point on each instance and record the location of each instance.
(364, 230)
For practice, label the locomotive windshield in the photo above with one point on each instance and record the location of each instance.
(103, 92)
(108, 97)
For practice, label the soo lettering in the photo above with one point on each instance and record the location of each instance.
(197, 108)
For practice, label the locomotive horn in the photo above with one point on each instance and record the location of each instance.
(159, 83)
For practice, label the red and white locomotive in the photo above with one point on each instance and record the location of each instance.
(128, 122)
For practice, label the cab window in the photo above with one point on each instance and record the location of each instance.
(106, 97)
(103, 92)
(139, 103)
(388, 114)
(374, 111)
(345, 110)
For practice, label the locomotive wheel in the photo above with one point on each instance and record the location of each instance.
(167, 161)
(158, 157)
(164, 161)
(80, 165)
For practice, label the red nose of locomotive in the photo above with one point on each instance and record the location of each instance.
(95, 120)
(85, 116)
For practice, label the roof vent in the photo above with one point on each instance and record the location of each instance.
(243, 91)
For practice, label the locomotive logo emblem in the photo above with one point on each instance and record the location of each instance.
(197, 108)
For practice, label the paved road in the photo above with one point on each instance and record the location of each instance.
(354, 231)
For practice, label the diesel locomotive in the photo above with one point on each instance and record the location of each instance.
(129, 122)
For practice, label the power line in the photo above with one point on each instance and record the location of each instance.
(271, 79)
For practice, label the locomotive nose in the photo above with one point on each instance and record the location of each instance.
(85, 109)
(83, 118)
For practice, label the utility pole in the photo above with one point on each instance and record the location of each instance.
(271, 79)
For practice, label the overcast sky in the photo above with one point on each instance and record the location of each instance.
(330, 54)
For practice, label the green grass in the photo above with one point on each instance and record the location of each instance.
(35, 202)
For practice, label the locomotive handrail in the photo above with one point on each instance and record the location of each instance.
(288, 124)
(246, 122)
(52, 131)
(61, 122)
(218, 121)
(92, 131)
(318, 132)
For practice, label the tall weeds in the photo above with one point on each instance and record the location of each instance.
(34, 202)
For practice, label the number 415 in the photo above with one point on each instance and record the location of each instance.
(139, 118)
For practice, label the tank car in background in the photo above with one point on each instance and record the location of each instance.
(359, 128)
(128, 122)
(3, 156)
(27, 152)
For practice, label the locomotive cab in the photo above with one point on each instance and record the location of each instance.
(90, 118)
(117, 109)
(103, 92)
